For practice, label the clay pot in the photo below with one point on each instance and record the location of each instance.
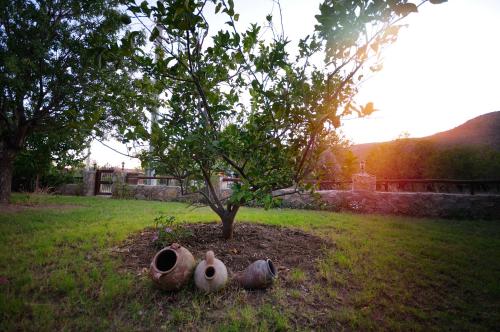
(172, 267)
(258, 275)
(210, 274)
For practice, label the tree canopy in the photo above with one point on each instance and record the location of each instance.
(239, 100)
(62, 72)
(407, 158)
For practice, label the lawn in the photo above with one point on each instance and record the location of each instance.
(390, 273)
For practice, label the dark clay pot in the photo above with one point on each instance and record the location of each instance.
(172, 267)
(258, 275)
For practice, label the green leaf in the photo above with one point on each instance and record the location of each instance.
(237, 39)
(154, 34)
(269, 18)
(367, 109)
(125, 19)
(238, 57)
(406, 8)
(134, 9)
(145, 6)
(218, 7)
(236, 17)
(161, 7)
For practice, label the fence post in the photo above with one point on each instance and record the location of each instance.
(89, 182)
(118, 188)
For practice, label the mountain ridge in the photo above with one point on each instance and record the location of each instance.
(483, 130)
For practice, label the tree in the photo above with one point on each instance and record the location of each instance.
(240, 101)
(407, 158)
(177, 164)
(61, 70)
(465, 162)
(403, 158)
(336, 163)
(46, 153)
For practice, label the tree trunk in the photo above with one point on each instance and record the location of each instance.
(227, 226)
(228, 221)
(37, 183)
(6, 167)
(226, 215)
(181, 184)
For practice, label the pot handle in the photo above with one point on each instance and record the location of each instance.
(209, 257)
(157, 275)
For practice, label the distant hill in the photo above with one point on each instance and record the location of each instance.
(483, 130)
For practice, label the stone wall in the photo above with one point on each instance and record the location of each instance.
(154, 193)
(437, 205)
(416, 204)
(72, 189)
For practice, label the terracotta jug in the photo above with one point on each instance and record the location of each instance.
(172, 267)
(210, 274)
(260, 274)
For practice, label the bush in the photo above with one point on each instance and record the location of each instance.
(168, 231)
(122, 191)
(25, 179)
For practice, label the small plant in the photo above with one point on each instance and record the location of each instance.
(355, 206)
(168, 231)
(297, 276)
(121, 191)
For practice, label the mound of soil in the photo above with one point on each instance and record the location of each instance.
(289, 249)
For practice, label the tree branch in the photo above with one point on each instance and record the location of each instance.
(210, 187)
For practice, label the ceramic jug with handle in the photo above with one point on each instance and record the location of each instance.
(210, 274)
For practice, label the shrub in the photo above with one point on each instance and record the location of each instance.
(168, 231)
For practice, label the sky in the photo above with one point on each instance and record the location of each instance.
(443, 70)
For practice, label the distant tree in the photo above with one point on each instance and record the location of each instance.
(349, 164)
(327, 167)
(45, 153)
(61, 69)
(407, 158)
(403, 158)
(465, 162)
(177, 164)
(237, 100)
(337, 162)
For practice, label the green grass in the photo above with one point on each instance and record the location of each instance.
(384, 273)
(297, 276)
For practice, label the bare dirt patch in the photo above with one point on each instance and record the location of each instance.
(295, 253)
(14, 208)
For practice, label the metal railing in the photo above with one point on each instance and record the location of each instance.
(439, 185)
(164, 180)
